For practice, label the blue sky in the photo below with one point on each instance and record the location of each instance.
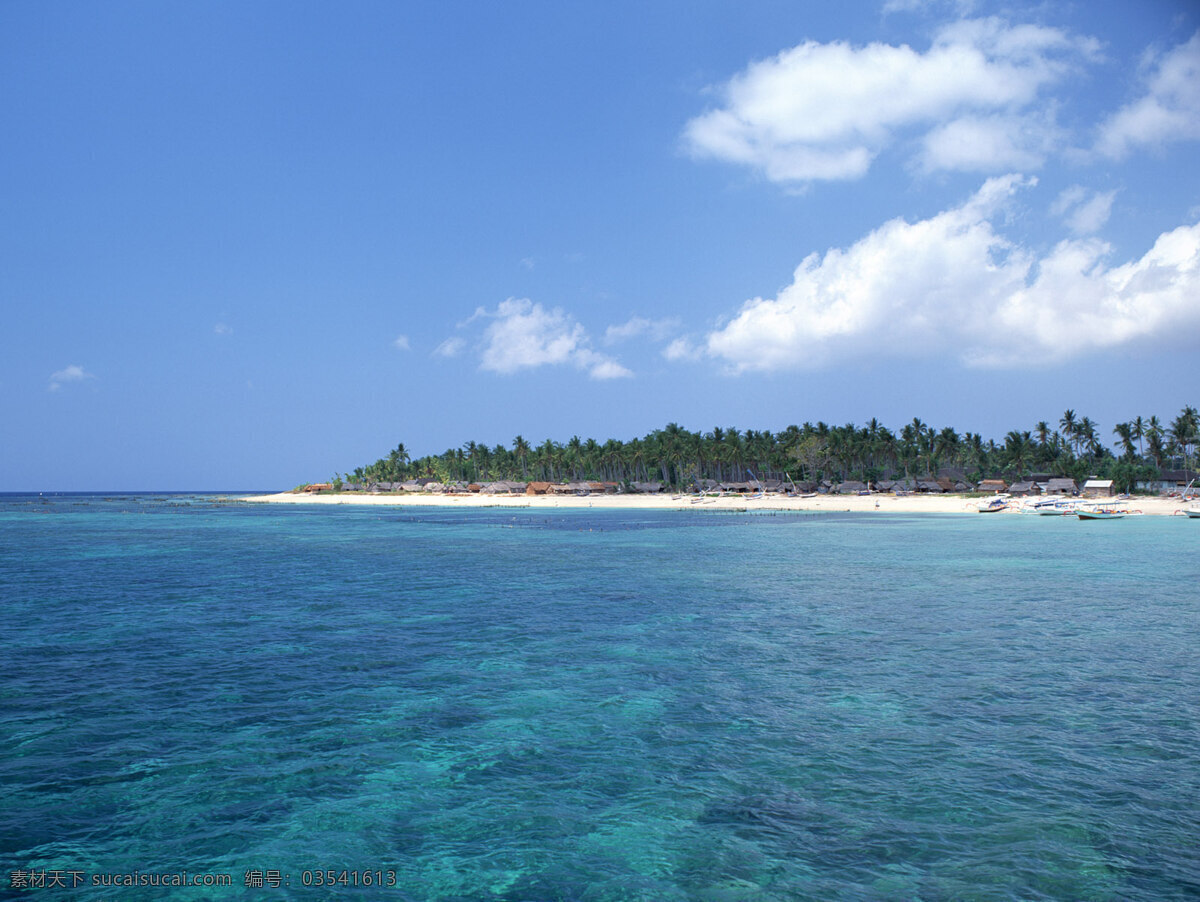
(246, 245)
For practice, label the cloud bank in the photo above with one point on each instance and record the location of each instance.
(954, 285)
(824, 111)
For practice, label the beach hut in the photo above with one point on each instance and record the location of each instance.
(993, 485)
(537, 488)
(504, 487)
(1171, 482)
(1099, 488)
(930, 486)
(1060, 485)
(1023, 488)
(646, 488)
(851, 487)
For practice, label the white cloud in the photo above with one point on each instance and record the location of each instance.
(990, 143)
(1169, 110)
(636, 326)
(451, 347)
(528, 263)
(1083, 215)
(682, 349)
(401, 343)
(67, 375)
(824, 111)
(222, 329)
(952, 285)
(525, 335)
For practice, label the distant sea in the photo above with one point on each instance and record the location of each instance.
(582, 705)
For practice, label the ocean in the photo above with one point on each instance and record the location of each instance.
(211, 700)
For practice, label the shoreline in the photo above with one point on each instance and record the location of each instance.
(882, 503)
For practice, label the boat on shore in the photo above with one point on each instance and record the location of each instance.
(993, 505)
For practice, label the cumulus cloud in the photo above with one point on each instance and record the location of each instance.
(401, 343)
(222, 329)
(953, 285)
(1084, 212)
(1169, 110)
(524, 335)
(683, 349)
(67, 375)
(824, 111)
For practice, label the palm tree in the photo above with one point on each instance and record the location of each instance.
(1184, 429)
(521, 449)
(1125, 432)
(1070, 428)
(1043, 433)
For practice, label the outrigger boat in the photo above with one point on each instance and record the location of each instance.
(994, 505)
(1101, 512)
(1051, 507)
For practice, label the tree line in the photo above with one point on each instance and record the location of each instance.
(1074, 447)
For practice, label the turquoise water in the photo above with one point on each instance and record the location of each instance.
(582, 705)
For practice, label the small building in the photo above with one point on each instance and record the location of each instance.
(993, 485)
(742, 487)
(504, 487)
(646, 488)
(851, 487)
(1099, 488)
(538, 488)
(1024, 488)
(1060, 485)
(1171, 482)
(317, 487)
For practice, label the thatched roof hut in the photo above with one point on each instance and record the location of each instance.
(647, 488)
(504, 487)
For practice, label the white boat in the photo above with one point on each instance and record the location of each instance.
(1104, 512)
(1049, 507)
(993, 505)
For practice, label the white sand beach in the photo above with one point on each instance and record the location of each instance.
(883, 503)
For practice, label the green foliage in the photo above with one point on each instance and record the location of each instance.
(811, 453)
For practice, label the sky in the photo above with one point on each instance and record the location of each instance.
(250, 245)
